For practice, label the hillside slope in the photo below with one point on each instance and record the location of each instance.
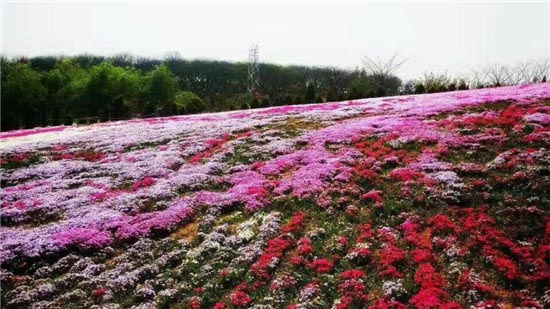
(424, 201)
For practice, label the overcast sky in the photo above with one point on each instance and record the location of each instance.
(450, 37)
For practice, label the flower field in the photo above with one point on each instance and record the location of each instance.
(428, 201)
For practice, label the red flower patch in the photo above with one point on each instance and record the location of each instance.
(352, 289)
(145, 182)
(240, 299)
(296, 223)
(322, 266)
(402, 174)
(441, 223)
(305, 247)
(100, 292)
(373, 195)
(507, 267)
(219, 306)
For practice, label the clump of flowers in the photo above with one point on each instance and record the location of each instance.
(352, 289)
(322, 266)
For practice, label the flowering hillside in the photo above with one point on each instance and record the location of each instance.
(429, 201)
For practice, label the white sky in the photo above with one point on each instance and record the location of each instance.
(452, 37)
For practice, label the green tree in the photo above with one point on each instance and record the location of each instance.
(462, 85)
(386, 85)
(161, 88)
(310, 95)
(126, 89)
(65, 85)
(96, 96)
(451, 86)
(111, 91)
(434, 82)
(23, 97)
(188, 103)
(419, 88)
(359, 88)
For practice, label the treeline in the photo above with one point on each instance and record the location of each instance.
(52, 91)
(42, 91)
(533, 71)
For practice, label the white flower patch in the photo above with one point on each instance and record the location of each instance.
(393, 288)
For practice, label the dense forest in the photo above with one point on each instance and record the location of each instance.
(48, 90)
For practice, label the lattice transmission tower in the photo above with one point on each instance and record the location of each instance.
(253, 70)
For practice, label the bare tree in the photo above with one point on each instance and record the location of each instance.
(382, 71)
(435, 82)
(535, 70)
(498, 75)
(541, 69)
(522, 73)
(478, 78)
(383, 67)
(172, 56)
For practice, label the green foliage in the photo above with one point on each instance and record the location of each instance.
(451, 86)
(111, 90)
(23, 96)
(419, 88)
(44, 63)
(189, 103)
(462, 85)
(369, 86)
(435, 82)
(384, 85)
(65, 84)
(161, 88)
(310, 94)
(359, 88)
